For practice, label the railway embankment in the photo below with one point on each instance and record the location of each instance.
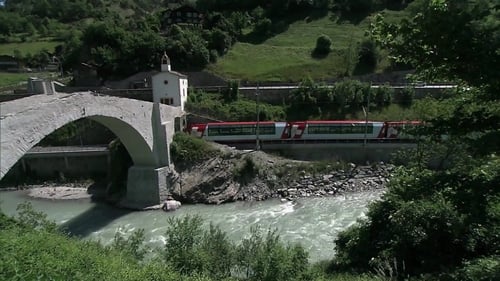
(235, 175)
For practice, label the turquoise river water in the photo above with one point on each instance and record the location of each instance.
(313, 222)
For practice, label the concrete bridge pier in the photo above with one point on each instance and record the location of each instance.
(148, 186)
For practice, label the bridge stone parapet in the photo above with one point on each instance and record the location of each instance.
(146, 130)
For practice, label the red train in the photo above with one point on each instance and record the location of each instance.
(237, 132)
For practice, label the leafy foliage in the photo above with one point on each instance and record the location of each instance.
(191, 249)
(219, 107)
(441, 213)
(265, 257)
(186, 149)
(323, 45)
(58, 257)
(368, 55)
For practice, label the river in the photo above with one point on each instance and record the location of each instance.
(313, 222)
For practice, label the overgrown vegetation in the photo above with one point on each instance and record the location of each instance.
(187, 150)
(247, 171)
(440, 215)
(311, 101)
(229, 106)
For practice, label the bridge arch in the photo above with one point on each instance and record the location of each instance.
(146, 129)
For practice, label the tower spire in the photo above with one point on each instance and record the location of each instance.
(165, 62)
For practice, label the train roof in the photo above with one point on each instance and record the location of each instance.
(242, 123)
(405, 122)
(340, 122)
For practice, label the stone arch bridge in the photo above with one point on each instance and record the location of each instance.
(146, 129)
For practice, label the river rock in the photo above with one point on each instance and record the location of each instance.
(171, 205)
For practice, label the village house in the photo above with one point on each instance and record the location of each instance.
(181, 15)
(9, 63)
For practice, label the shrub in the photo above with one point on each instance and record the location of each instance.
(482, 269)
(323, 45)
(405, 96)
(233, 91)
(383, 95)
(186, 149)
(265, 257)
(191, 249)
(263, 27)
(247, 171)
(368, 55)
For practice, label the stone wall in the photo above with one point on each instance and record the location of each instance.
(58, 167)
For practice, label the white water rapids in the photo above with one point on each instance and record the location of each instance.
(313, 222)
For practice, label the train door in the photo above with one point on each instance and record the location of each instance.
(297, 129)
(287, 131)
(197, 130)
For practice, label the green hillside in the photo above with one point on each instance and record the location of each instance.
(234, 40)
(287, 56)
(27, 47)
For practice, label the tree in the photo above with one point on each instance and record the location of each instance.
(368, 55)
(445, 216)
(447, 40)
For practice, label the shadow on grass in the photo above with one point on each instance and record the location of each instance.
(281, 25)
(362, 69)
(315, 54)
(349, 17)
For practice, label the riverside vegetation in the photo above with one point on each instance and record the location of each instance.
(34, 248)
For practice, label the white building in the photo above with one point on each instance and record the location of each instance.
(169, 87)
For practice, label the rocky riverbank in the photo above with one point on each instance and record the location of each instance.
(255, 176)
(236, 175)
(358, 178)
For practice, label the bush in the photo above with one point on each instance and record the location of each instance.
(265, 257)
(232, 92)
(383, 95)
(263, 27)
(186, 149)
(248, 171)
(368, 56)
(482, 269)
(191, 249)
(405, 96)
(323, 45)
(59, 257)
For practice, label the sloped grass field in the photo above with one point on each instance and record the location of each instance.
(27, 47)
(287, 56)
(12, 79)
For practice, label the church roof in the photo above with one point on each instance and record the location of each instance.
(178, 74)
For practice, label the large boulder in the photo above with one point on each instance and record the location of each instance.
(171, 205)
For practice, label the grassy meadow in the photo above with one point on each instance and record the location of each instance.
(13, 79)
(27, 47)
(287, 56)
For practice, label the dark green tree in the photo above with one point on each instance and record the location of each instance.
(442, 217)
(323, 45)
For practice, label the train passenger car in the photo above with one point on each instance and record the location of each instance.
(335, 130)
(231, 132)
(400, 129)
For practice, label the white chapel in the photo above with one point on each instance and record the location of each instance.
(169, 87)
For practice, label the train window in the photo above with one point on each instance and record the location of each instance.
(340, 129)
(240, 130)
(267, 130)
